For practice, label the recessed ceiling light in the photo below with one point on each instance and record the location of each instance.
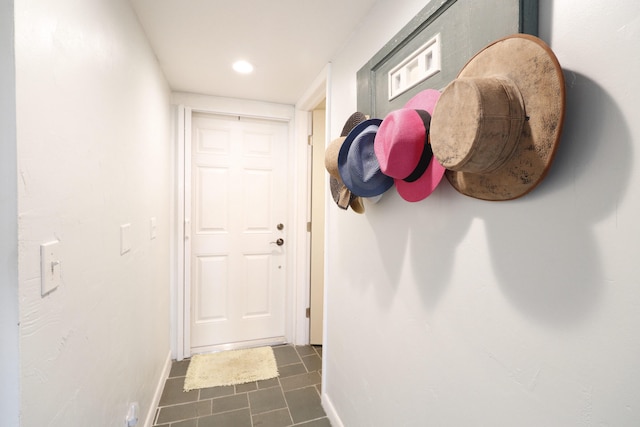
(242, 67)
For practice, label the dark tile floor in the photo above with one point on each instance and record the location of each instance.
(292, 399)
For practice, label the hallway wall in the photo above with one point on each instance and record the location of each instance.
(93, 129)
(454, 311)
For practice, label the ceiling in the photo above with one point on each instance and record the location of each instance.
(289, 42)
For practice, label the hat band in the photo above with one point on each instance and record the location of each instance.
(427, 152)
(344, 197)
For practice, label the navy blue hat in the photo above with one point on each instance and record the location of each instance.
(358, 164)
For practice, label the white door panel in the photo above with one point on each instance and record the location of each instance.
(238, 181)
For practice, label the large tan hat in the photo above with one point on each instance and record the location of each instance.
(497, 126)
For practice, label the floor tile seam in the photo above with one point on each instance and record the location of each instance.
(271, 410)
(155, 418)
(260, 414)
(266, 388)
(189, 418)
(303, 387)
(311, 356)
(291, 364)
(177, 376)
(288, 409)
(179, 403)
(279, 382)
(227, 411)
(236, 409)
(309, 421)
(221, 413)
(313, 352)
(291, 415)
(182, 419)
(309, 371)
(166, 405)
(218, 397)
(183, 403)
(296, 374)
(250, 410)
(305, 373)
(300, 387)
(319, 394)
(244, 385)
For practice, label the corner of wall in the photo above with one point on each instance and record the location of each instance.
(9, 320)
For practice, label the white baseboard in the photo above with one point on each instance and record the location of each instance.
(330, 410)
(158, 393)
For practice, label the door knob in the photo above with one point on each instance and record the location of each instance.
(279, 242)
(280, 226)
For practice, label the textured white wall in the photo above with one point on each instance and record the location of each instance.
(453, 311)
(9, 367)
(94, 152)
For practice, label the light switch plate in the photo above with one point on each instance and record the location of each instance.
(125, 238)
(50, 267)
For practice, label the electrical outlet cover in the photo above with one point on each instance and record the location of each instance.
(132, 415)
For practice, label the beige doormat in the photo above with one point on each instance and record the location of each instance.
(230, 368)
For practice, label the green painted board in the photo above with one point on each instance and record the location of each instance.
(464, 27)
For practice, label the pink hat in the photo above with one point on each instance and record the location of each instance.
(403, 148)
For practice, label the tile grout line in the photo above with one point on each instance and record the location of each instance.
(288, 409)
(249, 406)
(308, 421)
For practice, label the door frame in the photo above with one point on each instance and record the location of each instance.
(186, 105)
(318, 91)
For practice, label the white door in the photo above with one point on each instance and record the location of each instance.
(238, 231)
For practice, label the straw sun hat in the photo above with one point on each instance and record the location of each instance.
(340, 193)
(496, 127)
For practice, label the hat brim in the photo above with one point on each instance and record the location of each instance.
(340, 193)
(331, 156)
(343, 197)
(421, 188)
(356, 204)
(424, 100)
(531, 64)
